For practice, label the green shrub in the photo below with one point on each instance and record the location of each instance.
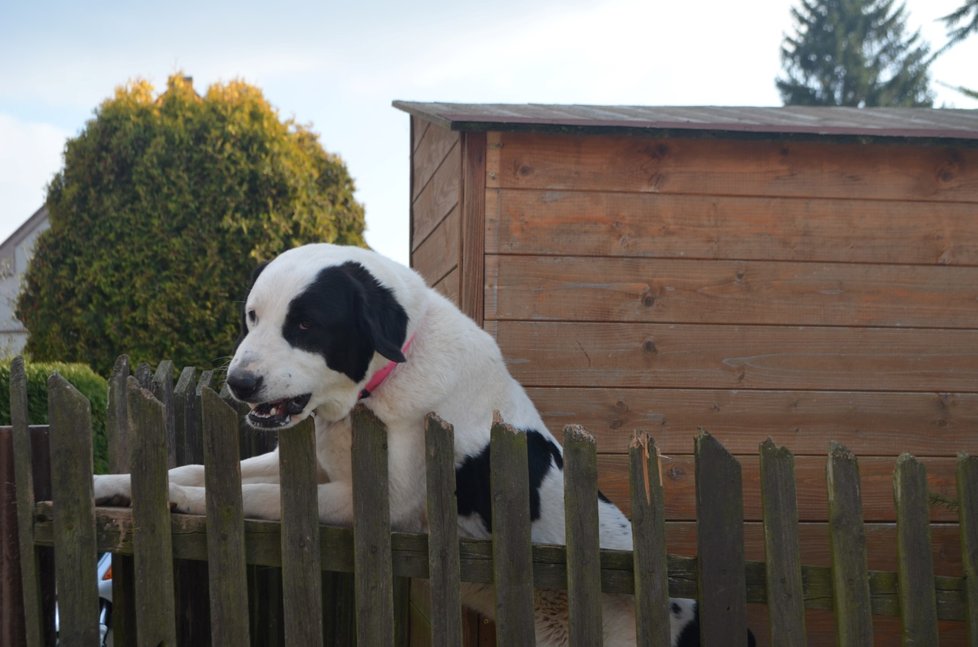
(83, 378)
(165, 205)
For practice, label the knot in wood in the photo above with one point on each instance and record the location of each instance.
(649, 346)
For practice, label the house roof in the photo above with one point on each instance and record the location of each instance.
(845, 123)
(22, 232)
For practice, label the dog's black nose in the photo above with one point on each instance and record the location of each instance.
(244, 384)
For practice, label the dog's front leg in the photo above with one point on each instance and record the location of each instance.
(263, 501)
(116, 489)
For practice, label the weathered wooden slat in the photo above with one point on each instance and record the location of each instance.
(968, 512)
(186, 417)
(591, 223)
(263, 547)
(719, 508)
(144, 376)
(437, 199)
(124, 629)
(876, 477)
(301, 563)
(918, 602)
(438, 254)
(433, 147)
(712, 356)
(654, 290)
(117, 418)
(733, 167)
(449, 286)
(681, 538)
(924, 424)
(785, 588)
(152, 546)
(163, 390)
(511, 555)
(649, 538)
(191, 578)
(374, 574)
(472, 280)
(24, 484)
(70, 417)
(225, 523)
(850, 581)
(583, 538)
(443, 558)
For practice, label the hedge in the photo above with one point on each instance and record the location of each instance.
(83, 378)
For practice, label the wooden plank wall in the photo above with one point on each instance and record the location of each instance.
(802, 291)
(436, 219)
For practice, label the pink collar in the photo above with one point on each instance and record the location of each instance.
(381, 375)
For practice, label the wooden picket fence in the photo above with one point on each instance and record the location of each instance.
(154, 594)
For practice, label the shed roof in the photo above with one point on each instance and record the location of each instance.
(871, 123)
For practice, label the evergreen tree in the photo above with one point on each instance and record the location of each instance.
(163, 209)
(961, 22)
(854, 53)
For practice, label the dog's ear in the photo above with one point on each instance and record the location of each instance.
(383, 343)
(381, 317)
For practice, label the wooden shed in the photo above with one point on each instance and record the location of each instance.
(804, 274)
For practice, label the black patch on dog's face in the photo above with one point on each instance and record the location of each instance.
(346, 315)
(472, 478)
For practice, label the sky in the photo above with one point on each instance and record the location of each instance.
(338, 66)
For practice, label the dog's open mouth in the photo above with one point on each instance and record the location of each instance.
(270, 415)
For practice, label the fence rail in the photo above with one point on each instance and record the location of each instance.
(202, 424)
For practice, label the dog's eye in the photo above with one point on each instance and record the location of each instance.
(304, 326)
(252, 317)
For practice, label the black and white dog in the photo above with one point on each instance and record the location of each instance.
(329, 326)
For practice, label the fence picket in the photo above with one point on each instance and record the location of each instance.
(191, 577)
(915, 564)
(850, 579)
(187, 418)
(152, 545)
(443, 559)
(582, 537)
(225, 523)
(511, 557)
(785, 587)
(162, 388)
(24, 484)
(649, 539)
(74, 517)
(117, 418)
(720, 544)
(967, 473)
(374, 577)
(302, 595)
(117, 437)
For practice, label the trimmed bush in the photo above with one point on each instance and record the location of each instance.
(164, 207)
(83, 378)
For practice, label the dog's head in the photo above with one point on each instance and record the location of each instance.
(316, 321)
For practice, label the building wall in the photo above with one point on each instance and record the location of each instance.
(15, 254)
(806, 291)
(802, 291)
(436, 167)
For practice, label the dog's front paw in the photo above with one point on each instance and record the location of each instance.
(188, 500)
(112, 490)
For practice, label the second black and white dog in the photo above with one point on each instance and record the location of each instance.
(329, 326)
